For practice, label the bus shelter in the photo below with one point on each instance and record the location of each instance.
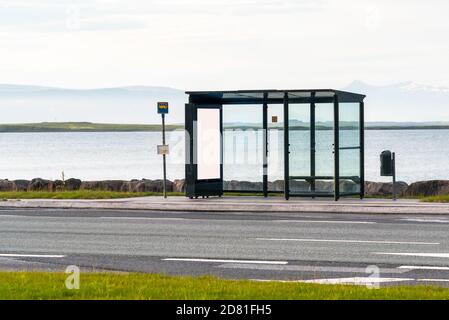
(322, 133)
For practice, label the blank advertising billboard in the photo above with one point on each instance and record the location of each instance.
(209, 144)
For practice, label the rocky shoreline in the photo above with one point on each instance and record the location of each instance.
(421, 188)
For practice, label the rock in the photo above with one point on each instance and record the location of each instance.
(422, 188)
(90, 185)
(349, 186)
(324, 186)
(21, 185)
(72, 184)
(107, 185)
(179, 185)
(235, 185)
(133, 186)
(148, 186)
(427, 188)
(68, 185)
(127, 186)
(251, 186)
(230, 185)
(6, 185)
(384, 188)
(298, 186)
(277, 185)
(58, 185)
(39, 184)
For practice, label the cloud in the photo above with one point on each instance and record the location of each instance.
(82, 15)
(63, 16)
(207, 44)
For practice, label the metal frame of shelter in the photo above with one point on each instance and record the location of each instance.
(311, 99)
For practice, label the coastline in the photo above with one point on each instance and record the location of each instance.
(111, 127)
(372, 189)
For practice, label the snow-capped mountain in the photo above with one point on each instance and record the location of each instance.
(403, 102)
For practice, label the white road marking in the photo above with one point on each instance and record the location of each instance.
(425, 220)
(324, 221)
(348, 241)
(353, 281)
(12, 255)
(357, 280)
(411, 254)
(143, 218)
(274, 280)
(423, 268)
(314, 269)
(227, 261)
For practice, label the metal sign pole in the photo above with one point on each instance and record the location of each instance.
(162, 109)
(164, 156)
(393, 162)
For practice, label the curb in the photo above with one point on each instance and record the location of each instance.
(267, 208)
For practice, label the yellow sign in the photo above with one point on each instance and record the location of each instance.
(162, 107)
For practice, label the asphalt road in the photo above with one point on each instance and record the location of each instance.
(325, 248)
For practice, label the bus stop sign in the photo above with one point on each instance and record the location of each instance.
(162, 107)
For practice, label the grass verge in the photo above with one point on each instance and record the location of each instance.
(93, 194)
(98, 194)
(80, 194)
(442, 198)
(104, 286)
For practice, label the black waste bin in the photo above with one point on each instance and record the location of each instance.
(386, 163)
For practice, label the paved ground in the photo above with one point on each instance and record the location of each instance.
(317, 247)
(246, 204)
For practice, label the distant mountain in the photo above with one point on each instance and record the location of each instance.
(30, 104)
(398, 104)
(404, 102)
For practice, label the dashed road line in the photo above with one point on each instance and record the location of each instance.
(324, 221)
(14, 255)
(226, 261)
(424, 268)
(348, 241)
(414, 254)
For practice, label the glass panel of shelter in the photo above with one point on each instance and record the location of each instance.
(350, 167)
(275, 154)
(311, 158)
(242, 148)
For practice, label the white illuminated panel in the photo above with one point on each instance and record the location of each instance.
(209, 144)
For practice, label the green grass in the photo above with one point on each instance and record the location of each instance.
(45, 286)
(80, 194)
(442, 198)
(82, 127)
(94, 194)
(251, 194)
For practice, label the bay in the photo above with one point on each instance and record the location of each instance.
(421, 155)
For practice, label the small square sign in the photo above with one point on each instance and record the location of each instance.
(163, 149)
(162, 107)
(274, 119)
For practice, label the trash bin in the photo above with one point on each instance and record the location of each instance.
(386, 164)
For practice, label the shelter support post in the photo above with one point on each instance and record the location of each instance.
(286, 149)
(312, 145)
(336, 150)
(265, 146)
(362, 149)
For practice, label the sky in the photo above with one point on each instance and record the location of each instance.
(223, 44)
